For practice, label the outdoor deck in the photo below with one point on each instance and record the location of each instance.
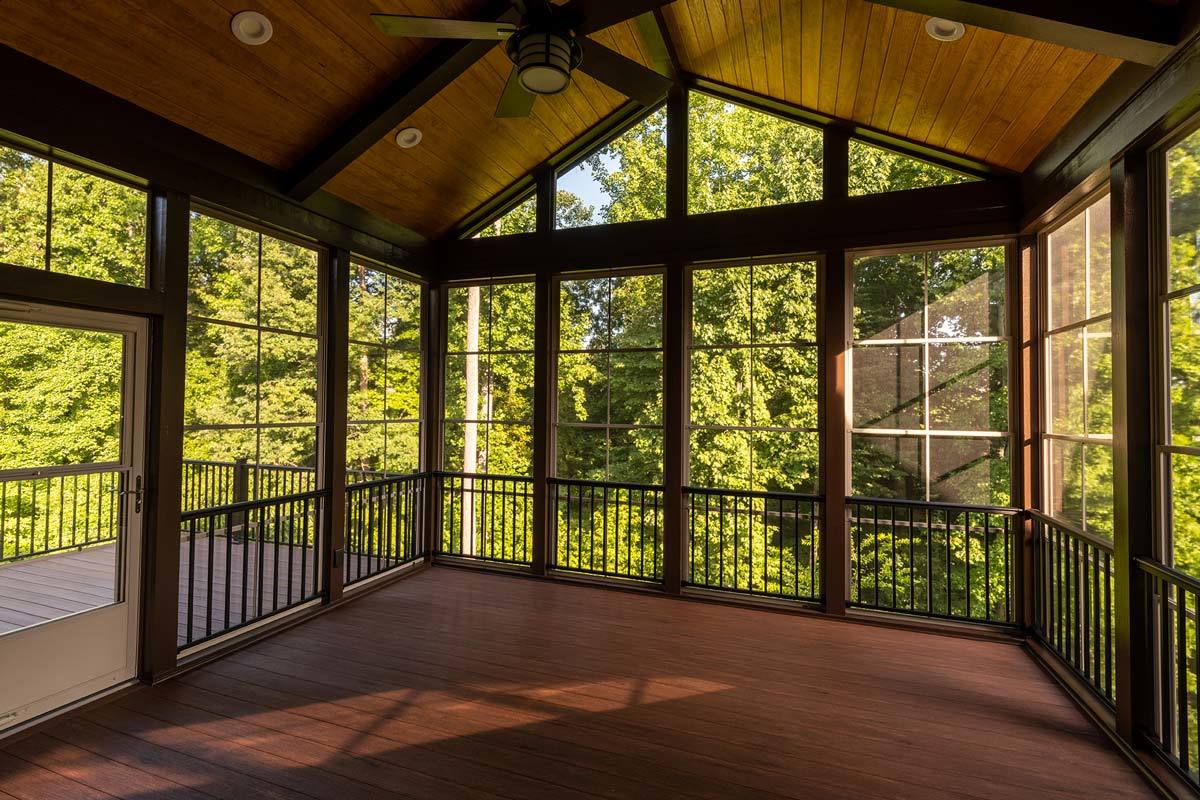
(457, 684)
(52, 586)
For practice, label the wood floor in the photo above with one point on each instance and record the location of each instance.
(462, 685)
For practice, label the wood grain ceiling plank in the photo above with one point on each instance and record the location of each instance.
(722, 47)
(833, 25)
(854, 41)
(811, 47)
(735, 30)
(921, 60)
(900, 47)
(756, 45)
(773, 41)
(966, 83)
(792, 17)
(999, 72)
(710, 58)
(875, 52)
(681, 30)
(1025, 83)
(946, 66)
(1054, 90)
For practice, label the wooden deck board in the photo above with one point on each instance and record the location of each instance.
(456, 684)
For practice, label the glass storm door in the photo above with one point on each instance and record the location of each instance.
(72, 388)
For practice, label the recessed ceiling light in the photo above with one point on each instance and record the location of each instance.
(944, 30)
(251, 27)
(408, 137)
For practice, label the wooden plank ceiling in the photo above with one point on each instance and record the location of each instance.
(993, 97)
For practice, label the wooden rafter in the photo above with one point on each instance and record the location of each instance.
(1139, 31)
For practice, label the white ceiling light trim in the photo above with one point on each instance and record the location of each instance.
(251, 27)
(409, 137)
(944, 30)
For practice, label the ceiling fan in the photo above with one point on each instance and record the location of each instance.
(545, 43)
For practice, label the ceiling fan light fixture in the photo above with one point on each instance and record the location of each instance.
(944, 30)
(544, 60)
(408, 138)
(251, 27)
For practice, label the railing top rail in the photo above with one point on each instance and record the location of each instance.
(251, 505)
(648, 487)
(248, 464)
(391, 479)
(482, 476)
(38, 473)
(702, 490)
(1090, 538)
(1169, 574)
(883, 501)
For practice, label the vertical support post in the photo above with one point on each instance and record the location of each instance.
(547, 198)
(1025, 302)
(835, 165)
(335, 309)
(833, 304)
(677, 147)
(675, 414)
(1133, 436)
(241, 493)
(433, 337)
(543, 422)
(168, 257)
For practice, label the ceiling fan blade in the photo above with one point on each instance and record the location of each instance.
(437, 28)
(626, 76)
(514, 100)
(596, 15)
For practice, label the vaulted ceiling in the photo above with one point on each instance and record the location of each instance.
(996, 98)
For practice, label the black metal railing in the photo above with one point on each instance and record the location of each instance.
(485, 517)
(212, 484)
(932, 559)
(763, 543)
(1173, 602)
(46, 514)
(383, 525)
(606, 528)
(1073, 585)
(245, 561)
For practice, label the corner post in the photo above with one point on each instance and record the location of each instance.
(1133, 437)
(433, 328)
(677, 146)
(168, 259)
(833, 304)
(335, 305)
(543, 424)
(1025, 312)
(675, 414)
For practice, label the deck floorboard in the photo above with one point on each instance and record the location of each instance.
(467, 685)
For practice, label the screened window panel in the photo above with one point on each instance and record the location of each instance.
(1183, 221)
(887, 466)
(522, 218)
(366, 381)
(968, 386)
(1184, 326)
(1184, 495)
(971, 471)
(889, 297)
(889, 387)
(966, 293)
(874, 170)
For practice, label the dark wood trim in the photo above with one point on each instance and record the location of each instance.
(168, 260)
(1142, 32)
(835, 164)
(1027, 460)
(675, 419)
(41, 286)
(677, 146)
(412, 89)
(335, 317)
(943, 213)
(833, 312)
(45, 105)
(804, 116)
(1133, 438)
(543, 421)
(547, 198)
(1059, 175)
(433, 346)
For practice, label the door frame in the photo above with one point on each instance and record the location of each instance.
(122, 667)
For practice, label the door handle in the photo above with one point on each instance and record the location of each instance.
(137, 492)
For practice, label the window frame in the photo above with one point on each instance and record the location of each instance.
(817, 345)
(443, 384)
(927, 434)
(420, 350)
(556, 352)
(1043, 404)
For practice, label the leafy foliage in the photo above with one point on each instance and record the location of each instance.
(874, 170)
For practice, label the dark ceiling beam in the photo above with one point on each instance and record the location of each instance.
(1141, 31)
(988, 208)
(417, 86)
(46, 106)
